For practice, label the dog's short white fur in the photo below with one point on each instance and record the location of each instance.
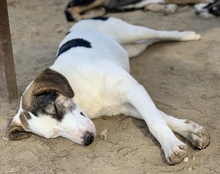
(97, 70)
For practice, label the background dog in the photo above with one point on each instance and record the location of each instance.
(208, 10)
(77, 10)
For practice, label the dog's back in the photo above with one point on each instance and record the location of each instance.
(90, 39)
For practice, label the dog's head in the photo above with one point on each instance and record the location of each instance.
(208, 10)
(47, 109)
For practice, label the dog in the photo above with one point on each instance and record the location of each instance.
(90, 78)
(211, 9)
(77, 10)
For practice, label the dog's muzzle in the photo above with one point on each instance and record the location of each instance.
(88, 138)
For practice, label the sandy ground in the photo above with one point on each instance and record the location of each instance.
(182, 78)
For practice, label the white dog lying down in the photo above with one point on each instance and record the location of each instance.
(90, 78)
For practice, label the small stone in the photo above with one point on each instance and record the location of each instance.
(190, 169)
(186, 160)
(103, 134)
(170, 8)
(193, 158)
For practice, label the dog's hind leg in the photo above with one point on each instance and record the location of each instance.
(175, 150)
(193, 132)
(127, 33)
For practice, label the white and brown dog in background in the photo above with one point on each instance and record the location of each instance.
(90, 78)
(77, 10)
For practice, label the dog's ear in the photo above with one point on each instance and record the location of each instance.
(50, 80)
(15, 132)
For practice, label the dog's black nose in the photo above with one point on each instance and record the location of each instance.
(88, 138)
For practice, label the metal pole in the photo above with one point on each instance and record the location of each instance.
(8, 86)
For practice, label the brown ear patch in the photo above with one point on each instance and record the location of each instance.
(15, 132)
(18, 133)
(48, 80)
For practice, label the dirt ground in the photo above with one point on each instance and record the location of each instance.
(183, 78)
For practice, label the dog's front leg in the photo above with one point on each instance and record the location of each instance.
(175, 150)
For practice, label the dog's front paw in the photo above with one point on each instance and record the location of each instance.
(197, 135)
(176, 153)
(189, 35)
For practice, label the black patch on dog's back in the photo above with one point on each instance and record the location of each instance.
(102, 18)
(73, 43)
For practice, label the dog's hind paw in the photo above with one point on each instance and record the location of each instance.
(189, 35)
(197, 135)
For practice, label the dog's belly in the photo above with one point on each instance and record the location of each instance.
(125, 109)
(95, 104)
(99, 108)
(105, 102)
